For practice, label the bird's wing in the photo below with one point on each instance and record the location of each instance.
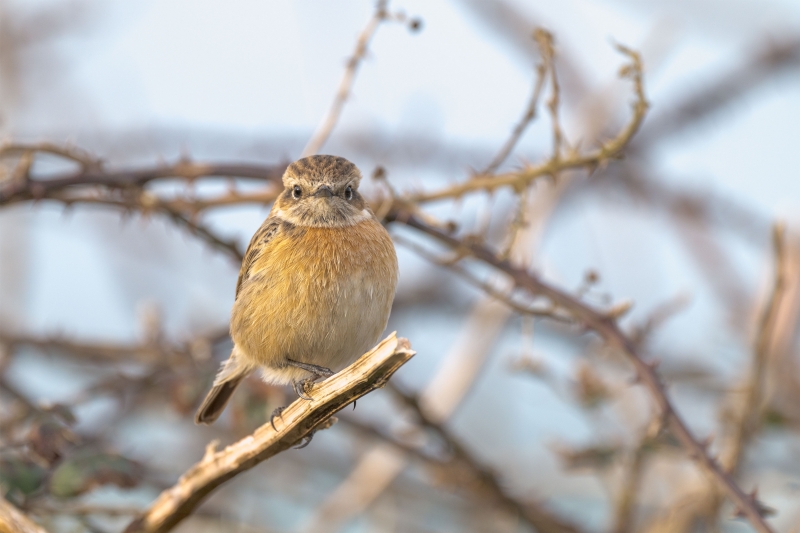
(257, 245)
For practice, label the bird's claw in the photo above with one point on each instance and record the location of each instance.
(302, 388)
(306, 441)
(278, 412)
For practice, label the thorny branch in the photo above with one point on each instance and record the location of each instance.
(749, 419)
(529, 116)
(28, 187)
(536, 516)
(753, 404)
(554, 166)
(607, 328)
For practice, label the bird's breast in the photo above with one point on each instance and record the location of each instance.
(317, 295)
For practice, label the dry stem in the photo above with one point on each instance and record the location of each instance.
(607, 328)
(552, 167)
(525, 121)
(362, 44)
(533, 514)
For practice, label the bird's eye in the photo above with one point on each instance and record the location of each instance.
(297, 192)
(348, 193)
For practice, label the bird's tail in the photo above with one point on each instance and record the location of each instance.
(232, 372)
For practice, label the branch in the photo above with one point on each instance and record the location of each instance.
(13, 521)
(554, 166)
(749, 420)
(607, 328)
(625, 506)
(31, 188)
(174, 353)
(125, 188)
(297, 422)
(751, 415)
(530, 112)
(533, 514)
(760, 68)
(227, 246)
(324, 130)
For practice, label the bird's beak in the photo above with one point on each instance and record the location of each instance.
(324, 192)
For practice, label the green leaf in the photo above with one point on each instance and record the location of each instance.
(20, 475)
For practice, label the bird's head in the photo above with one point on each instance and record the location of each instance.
(322, 191)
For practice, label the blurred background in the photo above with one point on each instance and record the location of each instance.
(113, 319)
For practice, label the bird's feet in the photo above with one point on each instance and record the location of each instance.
(303, 386)
(306, 441)
(276, 414)
(318, 371)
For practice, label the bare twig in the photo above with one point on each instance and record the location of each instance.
(485, 286)
(297, 422)
(324, 130)
(553, 167)
(753, 404)
(534, 514)
(545, 41)
(625, 507)
(38, 188)
(125, 188)
(750, 416)
(528, 116)
(97, 351)
(607, 328)
(228, 246)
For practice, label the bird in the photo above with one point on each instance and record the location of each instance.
(315, 288)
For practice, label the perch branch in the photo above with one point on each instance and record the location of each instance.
(297, 422)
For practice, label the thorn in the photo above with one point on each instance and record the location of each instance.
(762, 509)
(619, 309)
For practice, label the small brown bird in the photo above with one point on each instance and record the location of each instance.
(316, 284)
